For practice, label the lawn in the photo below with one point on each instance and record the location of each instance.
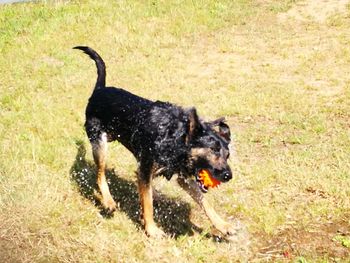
(279, 74)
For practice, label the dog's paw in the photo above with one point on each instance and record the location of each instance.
(154, 232)
(226, 229)
(234, 232)
(109, 205)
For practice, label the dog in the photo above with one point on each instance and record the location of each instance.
(165, 139)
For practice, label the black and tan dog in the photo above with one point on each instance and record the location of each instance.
(164, 138)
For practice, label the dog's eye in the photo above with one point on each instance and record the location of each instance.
(216, 147)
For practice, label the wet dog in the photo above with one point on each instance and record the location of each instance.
(164, 138)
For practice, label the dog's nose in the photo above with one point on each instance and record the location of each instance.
(227, 176)
(223, 175)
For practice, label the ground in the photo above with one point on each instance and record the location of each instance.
(277, 70)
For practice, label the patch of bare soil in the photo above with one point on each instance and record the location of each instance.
(316, 239)
(315, 10)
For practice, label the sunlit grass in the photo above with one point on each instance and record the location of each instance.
(284, 89)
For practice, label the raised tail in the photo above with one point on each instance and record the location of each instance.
(101, 67)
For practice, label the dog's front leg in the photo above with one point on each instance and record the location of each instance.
(191, 187)
(145, 190)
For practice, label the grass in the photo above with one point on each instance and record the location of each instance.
(283, 85)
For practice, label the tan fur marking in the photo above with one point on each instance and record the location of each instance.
(99, 152)
(146, 203)
(146, 199)
(214, 160)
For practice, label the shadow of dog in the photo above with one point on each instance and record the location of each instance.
(171, 214)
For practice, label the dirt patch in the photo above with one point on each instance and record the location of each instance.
(318, 239)
(315, 10)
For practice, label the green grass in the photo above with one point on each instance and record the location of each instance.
(283, 86)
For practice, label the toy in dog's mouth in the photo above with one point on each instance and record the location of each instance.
(205, 180)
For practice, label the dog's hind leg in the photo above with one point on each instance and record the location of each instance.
(144, 179)
(99, 151)
(191, 187)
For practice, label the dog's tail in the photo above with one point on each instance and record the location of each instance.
(101, 67)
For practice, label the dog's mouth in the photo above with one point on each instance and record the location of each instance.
(205, 180)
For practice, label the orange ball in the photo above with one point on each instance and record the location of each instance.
(207, 180)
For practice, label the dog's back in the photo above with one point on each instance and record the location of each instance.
(119, 113)
(114, 111)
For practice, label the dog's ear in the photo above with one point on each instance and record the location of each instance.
(194, 125)
(216, 122)
(224, 131)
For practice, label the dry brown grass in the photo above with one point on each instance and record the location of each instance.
(283, 85)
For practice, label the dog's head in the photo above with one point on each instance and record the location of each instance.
(209, 148)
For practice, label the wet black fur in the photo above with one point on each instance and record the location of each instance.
(157, 133)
